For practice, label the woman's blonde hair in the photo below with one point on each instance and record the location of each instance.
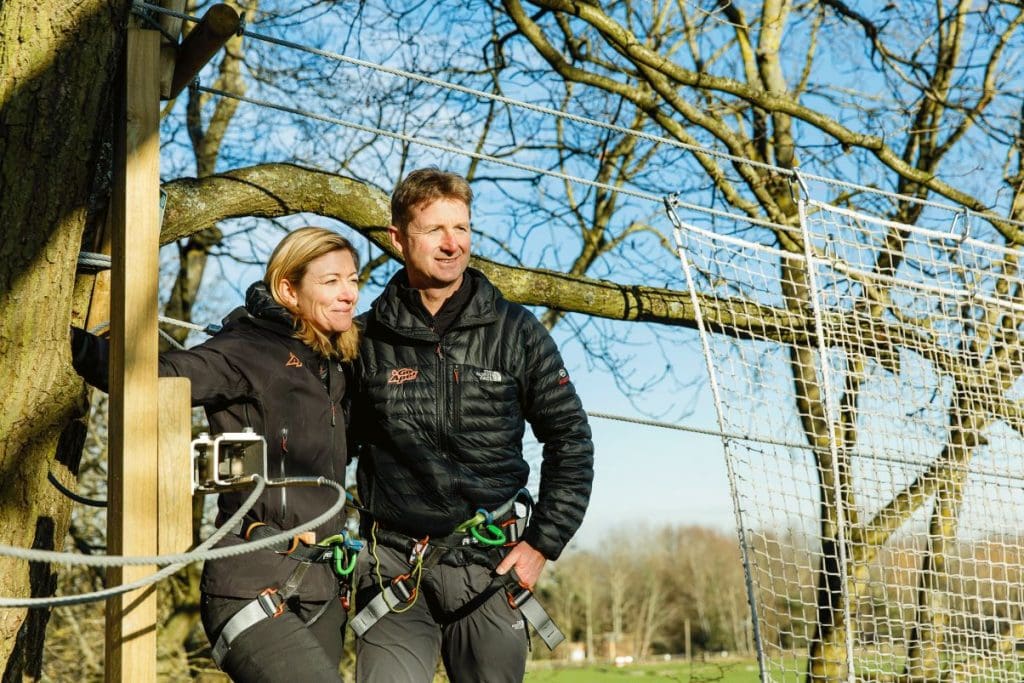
(289, 262)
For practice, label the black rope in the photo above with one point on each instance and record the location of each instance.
(74, 496)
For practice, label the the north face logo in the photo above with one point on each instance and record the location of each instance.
(403, 375)
(293, 361)
(488, 375)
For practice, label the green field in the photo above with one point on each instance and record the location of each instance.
(733, 671)
(724, 671)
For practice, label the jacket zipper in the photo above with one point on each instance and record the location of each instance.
(334, 419)
(442, 401)
(456, 400)
(284, 489)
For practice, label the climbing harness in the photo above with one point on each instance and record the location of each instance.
(498, 529)
(338, 551)
(229, 461)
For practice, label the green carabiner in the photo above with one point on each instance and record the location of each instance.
(339, 554)
(332, 540)
(476, 520)
(498, 535)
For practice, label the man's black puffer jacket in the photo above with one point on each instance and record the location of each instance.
(255, 373)
(439, 421)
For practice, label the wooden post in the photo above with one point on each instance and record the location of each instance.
(174, 506)
(132, 508)
(99, 303)
(686, 640)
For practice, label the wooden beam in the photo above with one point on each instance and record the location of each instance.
(217, 26)
(174, 480)
(170, 27)
(132, 495)
(99, 302)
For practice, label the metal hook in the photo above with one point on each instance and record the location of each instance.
(966, 213)
(801, 184)
(967, 225)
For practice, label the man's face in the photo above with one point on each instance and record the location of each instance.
(435, 244)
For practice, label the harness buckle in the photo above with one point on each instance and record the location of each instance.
(512, 529)
(400, 587)
(419, 550)
(271, 602)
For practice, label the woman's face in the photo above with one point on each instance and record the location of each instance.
(327, 294)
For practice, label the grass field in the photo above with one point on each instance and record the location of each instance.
(732, 671)
(726, 671)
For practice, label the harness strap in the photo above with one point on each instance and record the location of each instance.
(269, 604)
(522, 598)
(396, 593)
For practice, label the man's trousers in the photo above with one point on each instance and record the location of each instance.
(457, 615)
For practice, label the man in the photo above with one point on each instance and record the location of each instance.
(450, 374)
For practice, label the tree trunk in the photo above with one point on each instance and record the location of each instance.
(58, 64)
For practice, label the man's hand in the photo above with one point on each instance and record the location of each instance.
(528, 563)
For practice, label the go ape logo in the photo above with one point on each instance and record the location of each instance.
(403, 375)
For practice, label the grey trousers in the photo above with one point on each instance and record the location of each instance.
(282, 649)
(476, 633)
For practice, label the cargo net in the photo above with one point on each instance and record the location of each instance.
(867, 380)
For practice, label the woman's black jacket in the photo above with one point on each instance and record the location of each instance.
(255, 373)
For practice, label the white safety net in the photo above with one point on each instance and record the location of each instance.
(867, 377)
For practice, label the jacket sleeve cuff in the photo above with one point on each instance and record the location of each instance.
(546, 546)
(90, 356)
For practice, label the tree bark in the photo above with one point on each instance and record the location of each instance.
(58, 61)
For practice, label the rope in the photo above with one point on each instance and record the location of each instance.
(210, 329)
(64, 600)
(841, 266)
(431, 144)
(94, 261)
(74, 496)
(892, 457)
(832, 412)
(169, 339)
(737, 508)
(697, 149)
(190, 556)
(202, 552)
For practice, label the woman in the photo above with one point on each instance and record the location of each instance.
(278, 366)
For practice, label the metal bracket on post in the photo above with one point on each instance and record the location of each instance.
(227, 461)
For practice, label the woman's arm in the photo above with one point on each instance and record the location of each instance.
(215, 379)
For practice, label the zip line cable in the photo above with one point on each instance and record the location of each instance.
(647, 196)
(429, 143)
(890, 456)
(650, 137)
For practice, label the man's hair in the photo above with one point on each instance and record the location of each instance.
(288, 262)
(423, 186)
